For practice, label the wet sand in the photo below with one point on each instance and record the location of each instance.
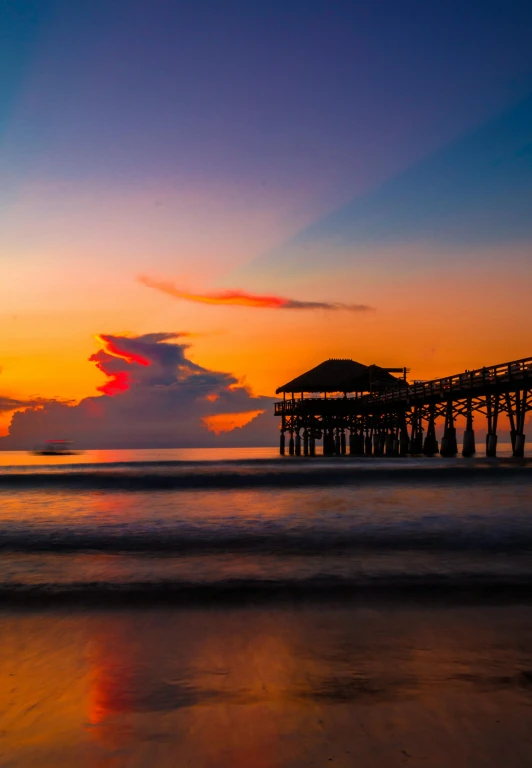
(351, 684)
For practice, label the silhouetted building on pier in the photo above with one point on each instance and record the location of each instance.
(366, 410)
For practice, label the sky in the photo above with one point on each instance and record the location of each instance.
(243, 189)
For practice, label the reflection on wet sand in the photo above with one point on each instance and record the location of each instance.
(261, 687)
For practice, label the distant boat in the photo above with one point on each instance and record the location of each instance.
(56, 448)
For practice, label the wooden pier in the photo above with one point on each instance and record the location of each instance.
(366, 411)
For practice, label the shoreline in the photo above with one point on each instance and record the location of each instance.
(265, 595)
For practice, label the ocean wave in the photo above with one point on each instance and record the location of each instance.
(295, 475)
(513, 538)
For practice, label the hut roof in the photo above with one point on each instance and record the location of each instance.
(340, 376)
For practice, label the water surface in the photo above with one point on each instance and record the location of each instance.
(143, 521)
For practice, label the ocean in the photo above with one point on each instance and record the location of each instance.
(210, 523)
(236, 609)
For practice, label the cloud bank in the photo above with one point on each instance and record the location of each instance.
(8, 404)
(154, 397)
(243, 299)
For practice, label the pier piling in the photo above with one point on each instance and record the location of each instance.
(491, 445)
(403, 441)
(449, 446)
(430, 446)
(468, 444)
(519, 449)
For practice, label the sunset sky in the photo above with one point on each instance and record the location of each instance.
(237, 190)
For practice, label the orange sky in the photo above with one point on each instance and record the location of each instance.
(430, 321)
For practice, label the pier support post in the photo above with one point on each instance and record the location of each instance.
(356, 444)
(516, 414)
(430, 446)
(519, 448)
(305, 442)
(298, 444)
(403, 437)
(491, 445)
(328, 443)
(468, 444)
(342, 444)
(396, 444)
(337, 443)
(291, 445)
(312, 445)
(492, 411)
(389, 445)
(449, 446)
(368, 445)
(356, 439)
(281, 444)
(415, 447)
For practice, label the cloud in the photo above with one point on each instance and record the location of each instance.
(128, 350)
(8, 404)
(243, 299)
(153, 396)
(227, 422)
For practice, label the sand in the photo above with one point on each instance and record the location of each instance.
(382, 684)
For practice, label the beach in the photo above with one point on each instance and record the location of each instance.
(356, 684)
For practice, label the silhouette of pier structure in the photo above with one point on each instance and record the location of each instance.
(367, 411)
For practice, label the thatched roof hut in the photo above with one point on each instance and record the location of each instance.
(341, 376)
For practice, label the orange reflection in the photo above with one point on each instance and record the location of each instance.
(112, 676)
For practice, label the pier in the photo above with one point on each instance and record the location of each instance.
(368, 411)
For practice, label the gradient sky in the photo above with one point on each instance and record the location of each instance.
(354, 153)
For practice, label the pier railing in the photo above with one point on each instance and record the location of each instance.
(495, 377)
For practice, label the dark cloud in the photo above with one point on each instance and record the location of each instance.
(12, 404)
(154, 396)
